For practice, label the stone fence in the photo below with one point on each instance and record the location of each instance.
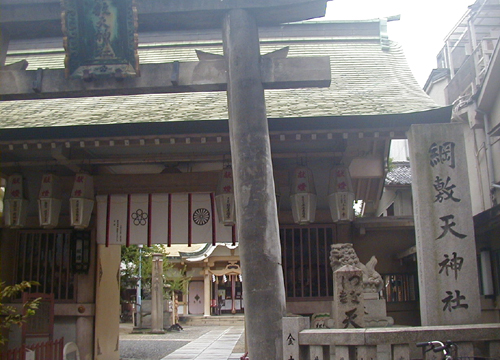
(396, 343)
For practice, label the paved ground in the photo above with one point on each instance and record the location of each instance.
(194, 342)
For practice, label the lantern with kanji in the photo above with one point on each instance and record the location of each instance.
(81, 201)
(49, 201)
(303, 195)
(224, 198)
(341, 194)
(15, 202)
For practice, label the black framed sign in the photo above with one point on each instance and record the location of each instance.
(100, 38)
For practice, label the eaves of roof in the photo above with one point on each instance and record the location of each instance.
(386, 121)
(435, 76)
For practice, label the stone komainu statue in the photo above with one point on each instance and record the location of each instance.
(344, 254)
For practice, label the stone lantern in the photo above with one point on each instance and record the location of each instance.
(341, 194)
(49, 201)
(303, 195)
(224, 198)
(81, 201)
(15, 203)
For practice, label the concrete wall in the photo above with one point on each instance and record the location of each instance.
(437, 91)
(478, 172)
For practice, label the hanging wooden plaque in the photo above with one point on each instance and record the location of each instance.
(100, 38)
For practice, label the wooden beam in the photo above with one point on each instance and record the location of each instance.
(156, 183)
(29, 18)
(408, 252)
(199, 76)
(61, 154)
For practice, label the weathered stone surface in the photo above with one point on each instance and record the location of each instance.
(402, 335)
(375, 310)
(256, 214)
(320, 321)
(348, 310)
(446, 252)
(292, 326)
(344, 254)
(401, 352)
(157, 294)
(157, 78)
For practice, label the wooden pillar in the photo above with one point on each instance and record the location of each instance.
(107, 307)
(233, 293)
(344, 232)
(256, 215)
(206, 291)
(85, 323)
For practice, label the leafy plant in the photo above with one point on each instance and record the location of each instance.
(130, 266)
(9, 315)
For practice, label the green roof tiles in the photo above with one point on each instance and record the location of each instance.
(366, 80)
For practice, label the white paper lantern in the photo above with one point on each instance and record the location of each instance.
(341, 194)
(15, 204)
(81, 201)
(224, 198)
(303, 196)
(49, 201)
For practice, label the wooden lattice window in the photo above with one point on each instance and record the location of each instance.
(306, 264)
(45, 256)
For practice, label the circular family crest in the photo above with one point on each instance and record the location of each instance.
(201, 216)
(139, 217)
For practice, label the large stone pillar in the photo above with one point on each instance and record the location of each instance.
(256, 214)
(107, 307)
(446, 251)
(157, 295)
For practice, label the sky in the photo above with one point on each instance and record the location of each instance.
(421, 31)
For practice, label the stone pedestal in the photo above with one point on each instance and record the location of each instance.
(348, 310)
(376, 311)
(292, 326)
(446, 250)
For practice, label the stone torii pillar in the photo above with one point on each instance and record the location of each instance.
(256, 214)
(157, 295)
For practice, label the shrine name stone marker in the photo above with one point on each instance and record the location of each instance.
(448, 277)
(348, 303)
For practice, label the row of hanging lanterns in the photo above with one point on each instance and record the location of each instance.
(303, 196)
(81, 201)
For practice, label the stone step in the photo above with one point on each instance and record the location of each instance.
(223, 320)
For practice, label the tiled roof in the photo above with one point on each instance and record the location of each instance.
(400, 174)
(366, 80)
